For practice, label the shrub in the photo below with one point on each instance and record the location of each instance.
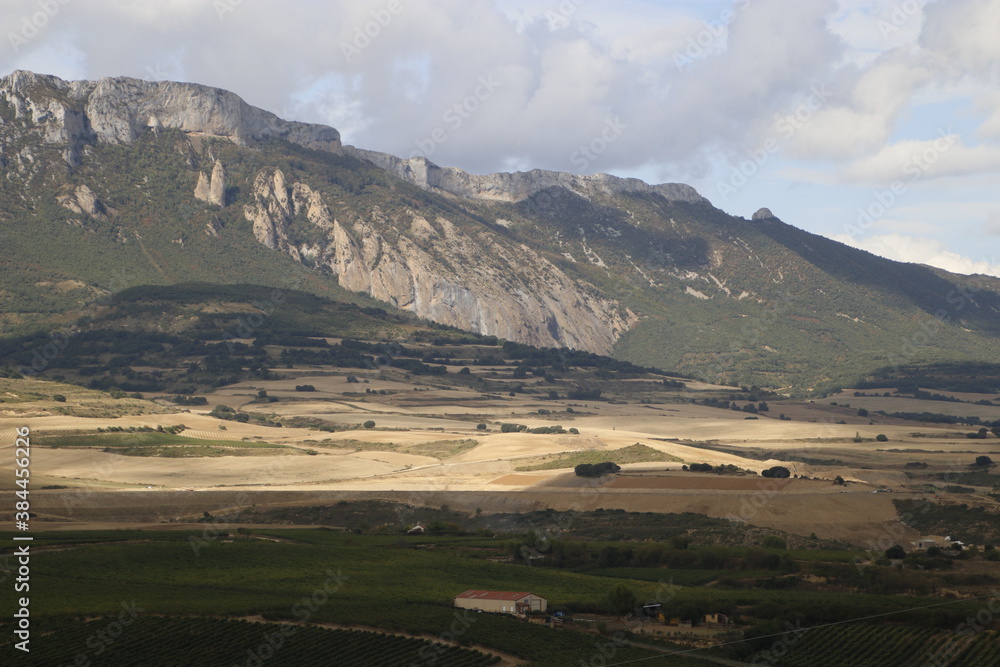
(882, 437)
(189, 400)
(369, 424)
(596, 469)
(774, 542)
(304, 387)
(575, 431)
(895, 552)
(58, 398)
(480, 427)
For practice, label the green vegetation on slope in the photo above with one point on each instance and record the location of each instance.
(637, 453)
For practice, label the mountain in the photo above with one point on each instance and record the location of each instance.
(121, 182)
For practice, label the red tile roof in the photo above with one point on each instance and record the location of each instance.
(492, 595)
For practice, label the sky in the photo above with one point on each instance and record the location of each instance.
(872, 122)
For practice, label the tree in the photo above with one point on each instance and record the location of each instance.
(895, 552)
(369, 424)
(351, 379)
(465, 371)
(621, 600)
(862, 412)
(58, 398)
(983, 461)
(776, 472)
(882, 437)
(839, 481)
(480, 427)
(596, 469)
(262, 393)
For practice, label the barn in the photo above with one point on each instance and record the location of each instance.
(501, 602)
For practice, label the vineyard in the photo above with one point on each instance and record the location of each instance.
(196, 642)
(407, 586)
(861, 645)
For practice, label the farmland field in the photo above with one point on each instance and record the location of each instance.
(196, 507)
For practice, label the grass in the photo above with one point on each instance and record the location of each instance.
(159, 444)
(637, 453)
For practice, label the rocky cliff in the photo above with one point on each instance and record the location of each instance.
(517, 186)
(117, 110)
(434, 269)
(109, 182)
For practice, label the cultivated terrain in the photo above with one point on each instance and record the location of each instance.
(293, 396)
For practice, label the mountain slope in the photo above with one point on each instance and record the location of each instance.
(123, 182)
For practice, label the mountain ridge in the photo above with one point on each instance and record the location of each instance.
(653, 274)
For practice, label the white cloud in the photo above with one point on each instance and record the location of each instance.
(921, 250)
(909, 161)
(561, 80)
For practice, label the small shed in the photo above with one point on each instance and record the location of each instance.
(502, 602)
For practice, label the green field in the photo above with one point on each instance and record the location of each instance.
(140, 443)
(208, 642)
(878, 646)
(636, 453)
(407, 584)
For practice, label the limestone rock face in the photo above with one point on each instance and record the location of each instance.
(83, 201)
(212, 189)
(217, 190)
(514, 187)
(763, 214)
(118, 110)
(437, 270)
(202, 187)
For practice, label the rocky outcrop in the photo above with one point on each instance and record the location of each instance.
(217, 190)
(118, 110)
(517, 186)
(439, 271)
(83, 201)
(212, 189)
(763, 214)
(202, 187)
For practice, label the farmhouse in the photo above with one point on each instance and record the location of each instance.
(504, 602)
